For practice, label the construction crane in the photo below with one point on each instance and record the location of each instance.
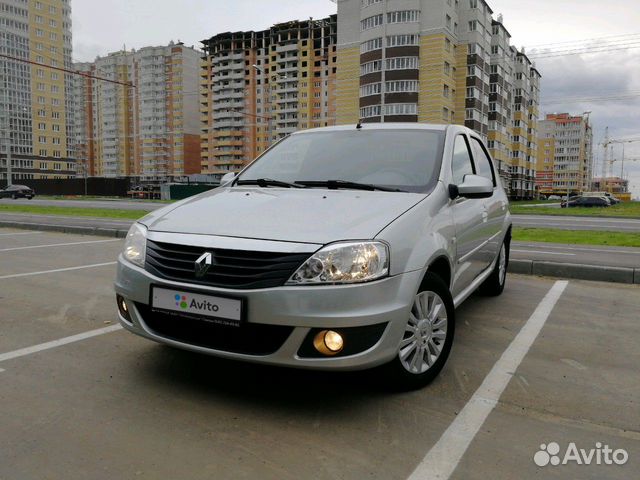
(607, 164)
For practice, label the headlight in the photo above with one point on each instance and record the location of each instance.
(135, 244)
(346, 262)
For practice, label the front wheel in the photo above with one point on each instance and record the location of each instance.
(427, 338)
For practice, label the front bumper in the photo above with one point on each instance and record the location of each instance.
(302, 308)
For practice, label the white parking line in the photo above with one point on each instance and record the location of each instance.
(58, 245)
(443, 458)
(20, 233)
(538, 251)
(57, 343)
(16, 275)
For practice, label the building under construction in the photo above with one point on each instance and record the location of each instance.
(257, 87)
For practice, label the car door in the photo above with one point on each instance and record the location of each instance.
(494, 207)
(471, 233)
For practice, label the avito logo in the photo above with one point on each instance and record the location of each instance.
(183, 302)
(600, 455)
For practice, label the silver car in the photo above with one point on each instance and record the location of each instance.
(338, 248)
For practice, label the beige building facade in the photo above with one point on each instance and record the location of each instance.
(440, 61)
(565, 154)
(144, 122)
(36, 105)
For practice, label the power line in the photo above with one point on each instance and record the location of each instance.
(611, 97)
(66, 70)
(587, 50)
(584, 40)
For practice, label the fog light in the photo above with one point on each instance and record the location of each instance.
(122, 307)
(328, 342)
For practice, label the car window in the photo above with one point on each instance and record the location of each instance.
(407, 159)
(484, 166)
(461, 163)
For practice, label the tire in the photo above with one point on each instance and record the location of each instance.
(494, 284)
(14, 196)
(408, 370)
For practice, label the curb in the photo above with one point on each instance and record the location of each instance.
(577, 271)
(43, 227)
(596, 273)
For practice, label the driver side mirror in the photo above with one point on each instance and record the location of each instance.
(472, 186)
(227, 178)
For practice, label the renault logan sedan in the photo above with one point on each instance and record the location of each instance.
(338, 248)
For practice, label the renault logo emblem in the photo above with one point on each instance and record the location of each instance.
(203, 263)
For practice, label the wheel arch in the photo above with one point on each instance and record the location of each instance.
(441, 267)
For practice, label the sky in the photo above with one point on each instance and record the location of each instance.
(568, 84)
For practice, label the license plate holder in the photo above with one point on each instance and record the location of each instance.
(199, 305)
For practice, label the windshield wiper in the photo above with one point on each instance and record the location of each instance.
(335, 184)
(270, 182)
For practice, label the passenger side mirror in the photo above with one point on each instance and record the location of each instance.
(473, 186)
(227, 178)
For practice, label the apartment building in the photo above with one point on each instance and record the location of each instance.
(565, 154)
(144, 122)
(441, 61)
(36, 111)
(257, 87)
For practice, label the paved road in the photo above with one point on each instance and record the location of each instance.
(113, 405)
(583, 254)
(116, 204)
(65, 221)
(539, 221)
(578, 223)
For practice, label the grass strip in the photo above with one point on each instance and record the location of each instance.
(74, 211)
(622, 210)
(576, 237)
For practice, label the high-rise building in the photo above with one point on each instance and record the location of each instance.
(565, 154)
(145, 121)
(36, 114)
(440, 61)
(257, 87)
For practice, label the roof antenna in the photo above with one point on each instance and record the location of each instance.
(359, 125)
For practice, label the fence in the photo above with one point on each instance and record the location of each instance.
(107, 187)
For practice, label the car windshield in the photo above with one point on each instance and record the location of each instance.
(397, 159)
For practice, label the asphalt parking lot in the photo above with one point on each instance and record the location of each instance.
(111, 405)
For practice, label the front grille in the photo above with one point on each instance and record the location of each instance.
(248, 338)
(239, 269)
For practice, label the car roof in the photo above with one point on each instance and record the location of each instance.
(378, 126)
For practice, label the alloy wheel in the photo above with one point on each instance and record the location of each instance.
(425, 333)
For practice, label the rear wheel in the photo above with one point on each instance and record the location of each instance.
(494, 284)
(427, 339)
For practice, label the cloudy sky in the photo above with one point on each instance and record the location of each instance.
(569, 83)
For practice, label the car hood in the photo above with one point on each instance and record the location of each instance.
(317, 216)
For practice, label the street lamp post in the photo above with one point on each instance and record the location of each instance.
(6, 134)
